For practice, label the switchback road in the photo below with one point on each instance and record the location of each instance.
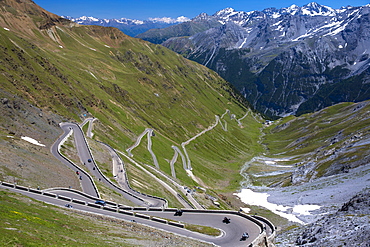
(155, 217)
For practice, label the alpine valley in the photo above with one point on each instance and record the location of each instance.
(183, 131)
(284, 61)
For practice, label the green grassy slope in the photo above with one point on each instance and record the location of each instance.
(129, 85)
(26, 222)
(324, 143)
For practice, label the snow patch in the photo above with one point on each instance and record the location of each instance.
(275, 15)
(277, 23)
(33, 141)
(304, 209)
(93, 75)
(169, 19)
(245, 41)
(260, 199)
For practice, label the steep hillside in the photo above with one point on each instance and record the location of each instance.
(61, 69)
(284, 61)
(332, 141)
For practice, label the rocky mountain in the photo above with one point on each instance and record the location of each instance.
(348, 226)
(284, 61)
(199, 24)
(54, 70)
(129, 26)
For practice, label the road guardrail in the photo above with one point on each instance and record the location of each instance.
(258, 220)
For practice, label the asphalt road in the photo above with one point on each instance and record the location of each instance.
(86, 181)
(88, 164)
(231, 233)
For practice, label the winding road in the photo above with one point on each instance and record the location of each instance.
(88, 163)
(230, 235)
(152, 210)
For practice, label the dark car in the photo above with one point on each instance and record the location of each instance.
(100, 202)
(178, 212)
(89, 160)
(68, 206)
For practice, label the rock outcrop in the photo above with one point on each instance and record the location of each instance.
(349, 226)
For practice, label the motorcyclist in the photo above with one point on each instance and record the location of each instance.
(245, 235)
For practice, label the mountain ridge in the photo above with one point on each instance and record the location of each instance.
(131, 27)
(282, 60)
(53, 70)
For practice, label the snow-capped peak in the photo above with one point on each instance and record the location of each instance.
(170, 20)
(86, 18)
(293, 9)
(225, 13)
(202, 16)
(167, 20)
(310, 9)
(314, 8)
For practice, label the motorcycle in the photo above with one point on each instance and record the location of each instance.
(226, 220)
(244, 236)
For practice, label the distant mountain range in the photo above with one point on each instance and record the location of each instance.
(284, 61)
(129, 26)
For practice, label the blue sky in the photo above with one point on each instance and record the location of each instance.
(144, 9)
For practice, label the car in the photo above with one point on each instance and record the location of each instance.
(89, 160)
(68, 206)
(100, 202)
(178, 212)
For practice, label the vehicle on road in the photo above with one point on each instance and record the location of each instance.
(178, 212)
(89, 160)
(68, 205)
(100, 202)
(226, 220)
(244, 236)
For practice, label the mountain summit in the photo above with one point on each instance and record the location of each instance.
(284, 61)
